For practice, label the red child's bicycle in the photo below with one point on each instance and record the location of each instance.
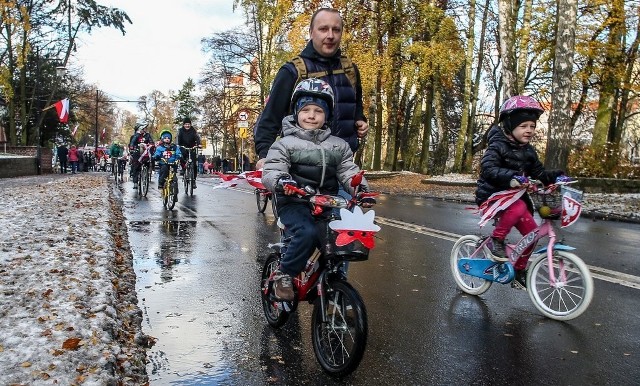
(339, 319)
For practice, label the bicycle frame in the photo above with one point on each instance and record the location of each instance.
(485, 268)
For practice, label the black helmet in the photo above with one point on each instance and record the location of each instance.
(314, 89)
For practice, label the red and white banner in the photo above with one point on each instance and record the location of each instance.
(497, 202)
(62, 108)
(75, 129)
(104, 131)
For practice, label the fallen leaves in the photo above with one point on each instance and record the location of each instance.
(72, 344)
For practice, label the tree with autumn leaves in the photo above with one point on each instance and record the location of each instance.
(434, 74)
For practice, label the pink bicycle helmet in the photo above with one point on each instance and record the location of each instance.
(517, 103)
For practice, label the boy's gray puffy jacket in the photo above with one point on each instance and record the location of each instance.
(310, 157)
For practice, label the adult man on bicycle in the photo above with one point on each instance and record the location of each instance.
(189, 138)
(136, 143)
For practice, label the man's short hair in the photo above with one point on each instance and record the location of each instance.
(313, 17)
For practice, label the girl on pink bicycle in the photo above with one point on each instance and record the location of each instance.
(507, 163)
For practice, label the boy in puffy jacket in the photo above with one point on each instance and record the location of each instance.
(168, 154)
(306, 155)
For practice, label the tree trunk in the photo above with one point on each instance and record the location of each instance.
(506, 25)
(465, 126)
(426, 133)
(559, 134)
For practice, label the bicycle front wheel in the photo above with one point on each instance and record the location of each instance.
(173, 194)
(463, 249)
(571, 293)
(340, 340)
(145, 180)
(261, 200)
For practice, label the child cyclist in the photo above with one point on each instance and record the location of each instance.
(508, 162)
(306, 155)
(168, 153)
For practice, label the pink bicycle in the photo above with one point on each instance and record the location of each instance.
(558, 282)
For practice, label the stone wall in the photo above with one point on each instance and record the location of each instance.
(608, 185)
(26, 164)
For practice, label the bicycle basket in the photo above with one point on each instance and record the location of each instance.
(548, 203)
(354, 251)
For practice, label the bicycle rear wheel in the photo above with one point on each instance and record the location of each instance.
(572, 291)
(340, 341)
(462, 249)
(261, 200)
(273, 311)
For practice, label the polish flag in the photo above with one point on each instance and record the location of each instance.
(104, 131)
(62, 108)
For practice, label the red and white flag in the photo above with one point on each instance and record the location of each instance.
(75, 129)
(104, 131)
(62, 108)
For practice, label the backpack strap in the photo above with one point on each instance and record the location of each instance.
(346, 64)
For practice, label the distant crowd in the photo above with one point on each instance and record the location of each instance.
(74, 159)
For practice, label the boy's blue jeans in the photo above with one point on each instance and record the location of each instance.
(301, 227)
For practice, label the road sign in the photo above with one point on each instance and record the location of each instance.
(243, 115)
(244, 133)
(243, 124)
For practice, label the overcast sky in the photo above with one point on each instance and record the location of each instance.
(159, 51)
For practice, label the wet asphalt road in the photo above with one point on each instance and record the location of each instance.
(198, 272)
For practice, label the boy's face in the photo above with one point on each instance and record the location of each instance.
(311, 117)
(524, 132)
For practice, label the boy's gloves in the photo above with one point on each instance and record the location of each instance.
(285, 181)
(518, 180)
(564, 178)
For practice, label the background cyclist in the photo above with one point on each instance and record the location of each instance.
(166, 152)
(116, 151)
(188, 137)
(139, 138)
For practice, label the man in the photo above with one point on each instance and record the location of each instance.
(322, 54)
(188, 138)
(62, 152)
(137, 143)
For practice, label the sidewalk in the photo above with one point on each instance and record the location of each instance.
(68, 305)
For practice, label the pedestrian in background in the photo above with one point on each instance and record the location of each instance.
(201, 159)
(74, 157)
(63, 154)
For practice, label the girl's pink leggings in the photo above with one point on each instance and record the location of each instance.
(517, 215)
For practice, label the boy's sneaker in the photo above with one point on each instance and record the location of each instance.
(135, 187)
(282, 287)
(520, 280)
(498, 251)
(194, 184)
